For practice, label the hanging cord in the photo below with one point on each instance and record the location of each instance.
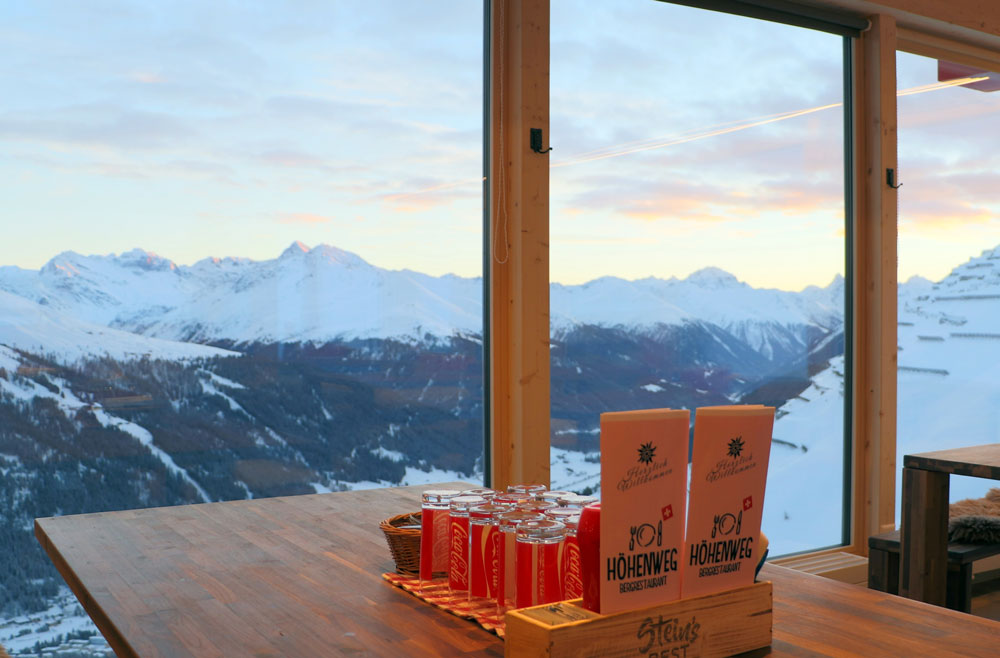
(500, 34)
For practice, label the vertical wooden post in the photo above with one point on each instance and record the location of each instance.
(875, 282)
(519, 272)
(923, 547)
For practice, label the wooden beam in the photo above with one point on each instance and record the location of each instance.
(974, 21)
(935, 47)
(978, 15)
(519, 242)
(875, 283)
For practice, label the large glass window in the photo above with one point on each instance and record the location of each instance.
(698, 238)
(949, 261)
(241, 258)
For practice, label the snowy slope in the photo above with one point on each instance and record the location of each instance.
(39, 329)
(26, 390)
(948, 397)
(803, 499)
(949, 340)
(325, 293)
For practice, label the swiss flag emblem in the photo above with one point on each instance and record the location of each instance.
(668, 512)
(747, 503)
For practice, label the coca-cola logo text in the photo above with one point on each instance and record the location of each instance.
(459, 570)
(573, 580)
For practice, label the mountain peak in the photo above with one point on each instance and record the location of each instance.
(64, 263)
(713, 277)
(297, 248)
(217, 262)
(335, 255)
(324, 253)
(145, 260)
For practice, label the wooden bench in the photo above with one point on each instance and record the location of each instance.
(883, 568)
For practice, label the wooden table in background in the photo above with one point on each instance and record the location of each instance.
(924, 512)
(300, 576)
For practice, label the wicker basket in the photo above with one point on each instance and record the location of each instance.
(404, 543)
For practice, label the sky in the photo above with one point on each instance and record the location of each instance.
(195, 129)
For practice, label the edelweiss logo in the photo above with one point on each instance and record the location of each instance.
(736, 447)
(646, 453)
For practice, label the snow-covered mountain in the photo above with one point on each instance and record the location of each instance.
(39, 329)
(949, 349)
(775, 323)
(303, 295)
(324, 293)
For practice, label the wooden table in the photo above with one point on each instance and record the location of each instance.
(924, 522)
(300, 576)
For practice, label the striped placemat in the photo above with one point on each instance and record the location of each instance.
(437, 593)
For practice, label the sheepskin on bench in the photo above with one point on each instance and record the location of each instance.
(975, 520)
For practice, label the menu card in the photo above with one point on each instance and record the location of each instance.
(644, 456)
(729, 460)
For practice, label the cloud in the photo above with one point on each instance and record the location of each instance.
(601, 241)
(303, 218)
(807, 145)
(291, 158)
(938, 193)
(423, 193)
(667, 197)
(125, 167)
(99, 126)
(954, 116)
(298, 107)
(147, 77)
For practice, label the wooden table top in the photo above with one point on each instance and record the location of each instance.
(293, 576)
(978, 461)
(301, 576)
(816, 616)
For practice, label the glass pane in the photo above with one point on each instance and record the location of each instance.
(949, 263)
(242, 257)
(697, 220)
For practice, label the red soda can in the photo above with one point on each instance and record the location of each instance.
(570, 573)
(434, 532)
(507, 581)
(537, 562)
(458, 555)
(484, 550)
(588, 535)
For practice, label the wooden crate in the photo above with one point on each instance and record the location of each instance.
(720, 624)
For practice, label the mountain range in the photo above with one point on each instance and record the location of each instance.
(322, 294)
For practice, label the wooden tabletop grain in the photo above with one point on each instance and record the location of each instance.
(976, 461)
(816, 616)
(294, 576)
(300, 576)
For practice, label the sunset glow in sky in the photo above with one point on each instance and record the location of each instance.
(205, 129)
